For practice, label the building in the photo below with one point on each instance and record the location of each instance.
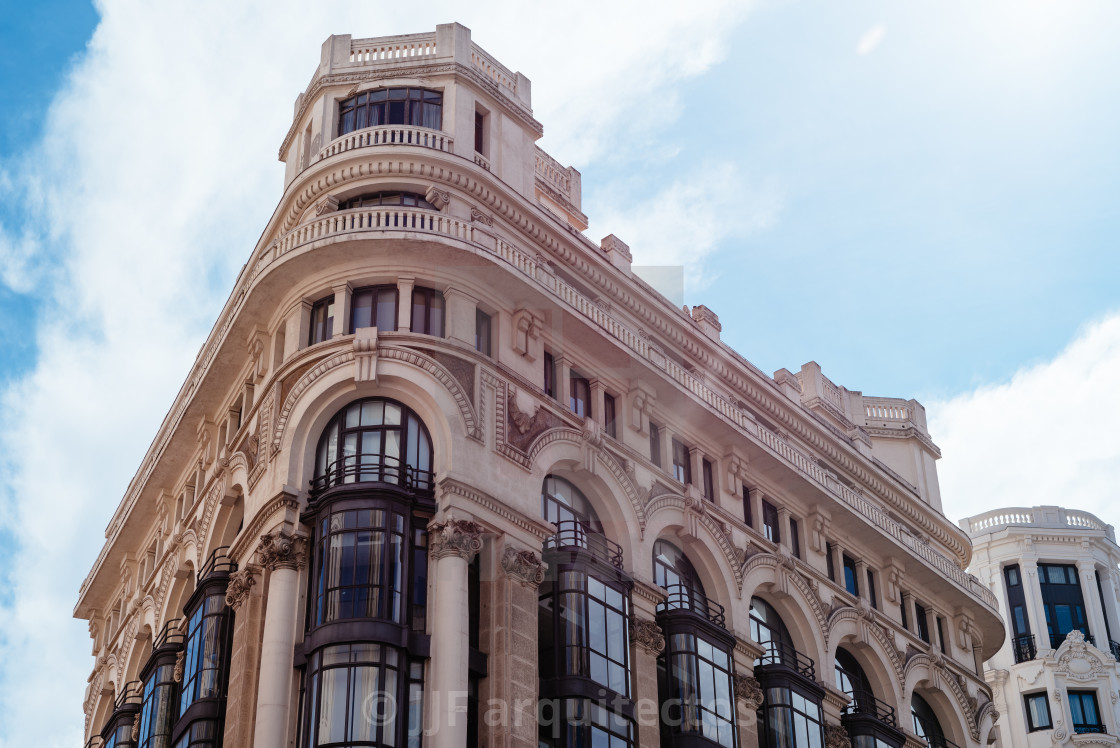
(446, 473)
(1056, 574)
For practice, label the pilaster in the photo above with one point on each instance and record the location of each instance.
(246, 597)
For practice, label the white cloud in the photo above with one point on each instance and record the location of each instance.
(871, 39)
(1048, 436)
(154, 176)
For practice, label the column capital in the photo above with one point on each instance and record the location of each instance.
(240, 583)
(455, 537)
(523, 566)
(282, 550)
(748, 690)
(647, 635)
(836, 736)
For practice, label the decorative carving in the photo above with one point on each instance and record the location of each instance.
(135, 728)
(282, 551)
(458, 537)
(526, 329)
(437, 197)
(328, 204)
(525, 428)
(240, 582)
(836, 736)
(177, 671)
(647, 635)
(748, 690)
(1079, 662)
(524, 566)
(365, 354)
(479, 217)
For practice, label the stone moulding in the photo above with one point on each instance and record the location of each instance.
(647, 635)
(455, 537)
(523, 566)
(282, 550)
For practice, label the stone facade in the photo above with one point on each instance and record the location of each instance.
(422, 350)
(1038, 560)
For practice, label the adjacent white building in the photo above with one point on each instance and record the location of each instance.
(1055, 680)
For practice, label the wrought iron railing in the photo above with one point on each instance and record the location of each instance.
(170, 635)
(864, 702)
(95, 742)
(1114, 647)
(373, 468)
(1057, 639)
(681, 597)
(131, 693)
(218, 562)
(1089, 729)
(572, 534)
(1024, 648)
(780, 653)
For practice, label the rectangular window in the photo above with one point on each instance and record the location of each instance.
(609, 416)
(427, 312)
(655, 444)
(479, 132)
(482, 332)
(851, 577)
(905, 618)
(682, 462)
(1086, 716)
(1038, 711)
(770, 522)
(1062, 602)
(709, 481)
(579, 395)
(374, 307)
(923, 622)
(794, 537)
(941, 635)
(871, 590)
(830, 555)
(549, 375)
(748, 512)
(322, 320)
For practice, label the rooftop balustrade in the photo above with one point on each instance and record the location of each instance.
(1042, 517)
(680, 598)
(573, 535)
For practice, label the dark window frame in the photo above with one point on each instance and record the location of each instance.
(483, 330)
(429, 312)
(378, 303)
(387, 199)
(708, 477)
(550, 375)
(407, 106)
(851, 575)
(1078, 718)
(771, 524)
(655, 444)
(391, 678)
(1037, 698)
(321, 327)
(610, 415)
(682, 462)
(579, 394)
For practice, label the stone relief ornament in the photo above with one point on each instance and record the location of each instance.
(135, 728)
(456, 537)
(523, 566)
(282, 550)
(478, 216)
(748, 690)
(1079, 662)
(240, 582)
(836, 736)
(647, 635)
(177, 671)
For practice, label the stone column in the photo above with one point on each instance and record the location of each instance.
(647, 641)
(748, 693)
(1086, 569)
(342, 296)
(459, 316)
(754, 496)
(283, 555)
(783, 529)
(452, 546)
(246, 598)
(404, 303)
(513, 658)
(1112, 614)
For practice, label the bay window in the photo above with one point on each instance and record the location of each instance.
(790, 715)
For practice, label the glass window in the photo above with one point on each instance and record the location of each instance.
(926, 724)
(360, 565)
(479, 131)
(563, 502)
(682, 462)
(387, 199)
(671, 567)
(851, 576)
(582, 723)
(871, 589)
(417, 107)
(482, 332)
(795, 538)
(322, 320)
(375, 306)
(427, 312)
(354, 693)
(549, 375)
(770, 526)
(709, 480)
(830, 555)
(698, 697)
(157, 715)
(791, 720)
(923, 622)
(655, 444)
(579, 394)
(768, 629)
(748, 511)
(204, 733)
(1038, 711)
(1062, 602)
(609, 416)
(374, 440)
(1083, 709)
(203, 676)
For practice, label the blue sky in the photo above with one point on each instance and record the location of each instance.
(919, 196)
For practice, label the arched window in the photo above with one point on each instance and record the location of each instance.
(583, 628)
(790, 715)
(694, 671)
(871, 722)
(374, 441)
(926, 724)
(417, 107)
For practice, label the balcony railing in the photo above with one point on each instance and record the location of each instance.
(389, 135)
(132, 694)
(864, 702)
(1024, 648)
(681, 597)
(218, 562)
(373, 468)
(942, 743)
(1090, 729)
(95, 742)
(170, 635)
(1057, 639)
(780, 653)
(573, 535)
(1114, 647)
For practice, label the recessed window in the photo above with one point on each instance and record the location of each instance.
(905, 599)
(682, 462)
(417, 107)
(427, 312)
(923, 622)
(851, 576)
(322, 320)
(609, 416)
(748, 512)
(375, 306)
(871, 589)
(1086, 715)
(655, 444)
(549, 375)
(482, 332)
(941, 635)
(387, 199)
(829, 557)
(579, 394)
(709, 480)
(480, 132)
(795, 537)
(1038, 711)
(1062, 602)
(770, 522)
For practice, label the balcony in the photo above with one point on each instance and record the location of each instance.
(1023, 648)
(1057, 639)
(682, 598)
(405, 135)
(373, 469)
(131, 695)
(1090, 729)
(779, 655)
(170, 636)
(864, 703)
(574, 536)
(217, 563)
